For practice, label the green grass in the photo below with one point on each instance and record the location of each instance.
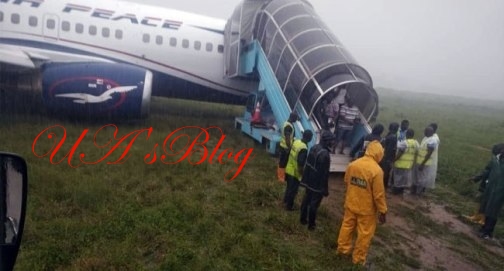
(136, 216)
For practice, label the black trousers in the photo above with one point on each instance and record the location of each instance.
(309, 207)
(290, 191)
(387, 168)
(283, 157)
(489, 226)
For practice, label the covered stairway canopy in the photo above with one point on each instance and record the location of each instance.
(306, 57)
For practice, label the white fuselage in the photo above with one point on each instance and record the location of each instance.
(179, 44)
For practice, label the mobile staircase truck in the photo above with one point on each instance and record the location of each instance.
(298, 61)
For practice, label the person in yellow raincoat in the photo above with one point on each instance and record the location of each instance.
(364, 199)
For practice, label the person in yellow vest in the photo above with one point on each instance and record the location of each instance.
(288, 133)
(364, 200)
(294, 168)
(426, 162)
(407, 151)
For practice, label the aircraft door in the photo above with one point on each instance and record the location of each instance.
(51, 27)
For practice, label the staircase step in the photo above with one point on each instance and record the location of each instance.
(339, 162)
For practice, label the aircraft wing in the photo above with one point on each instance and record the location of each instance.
(10, 55)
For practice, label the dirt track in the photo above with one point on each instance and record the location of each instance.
(425, 246)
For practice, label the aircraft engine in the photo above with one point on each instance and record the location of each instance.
(97, 89)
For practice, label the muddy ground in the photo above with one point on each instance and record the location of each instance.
(423, 235)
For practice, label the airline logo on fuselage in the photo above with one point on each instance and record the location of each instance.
(83, 98)
(106, 14)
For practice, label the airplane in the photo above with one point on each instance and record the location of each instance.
(75, 48)
(90, 57)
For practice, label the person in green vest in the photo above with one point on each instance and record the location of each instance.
(288, 133)
(403, 164)
(493, 197)
(294, 168)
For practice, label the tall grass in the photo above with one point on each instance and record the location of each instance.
(138, 216)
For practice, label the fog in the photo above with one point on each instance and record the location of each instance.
(453, 47)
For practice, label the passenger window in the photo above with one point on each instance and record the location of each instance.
(1, 16)
(65, 25)
(33, 21)
(197, 45)
(146, 38)
(185, 43)
(209, 47)
(92, 30)
(159, 40)
(220, 48)
(51, 24)
(15, 18)
(173, 42)
(105, 32)
(79, 28)
(118, 34)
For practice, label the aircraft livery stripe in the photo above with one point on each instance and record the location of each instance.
(208, 29)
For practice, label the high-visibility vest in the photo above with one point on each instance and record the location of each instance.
(408, 157)
(292, 164)
(283, 143)
(422, 152)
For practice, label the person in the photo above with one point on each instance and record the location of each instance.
(403, 172)
(434, 128)
(348, 116)
(389, 143)
(320, 112)
(426, 163)
(340, 97)
(315, 179)
(288, 133)
(401, 134)
(331, 112)
(360, 148)
(294, 168)
(479, 216)
(436, 137)
(365, 197)
(493, 197)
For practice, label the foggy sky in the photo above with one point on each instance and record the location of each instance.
(453, 47)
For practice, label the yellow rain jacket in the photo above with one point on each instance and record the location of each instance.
(365, 193)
